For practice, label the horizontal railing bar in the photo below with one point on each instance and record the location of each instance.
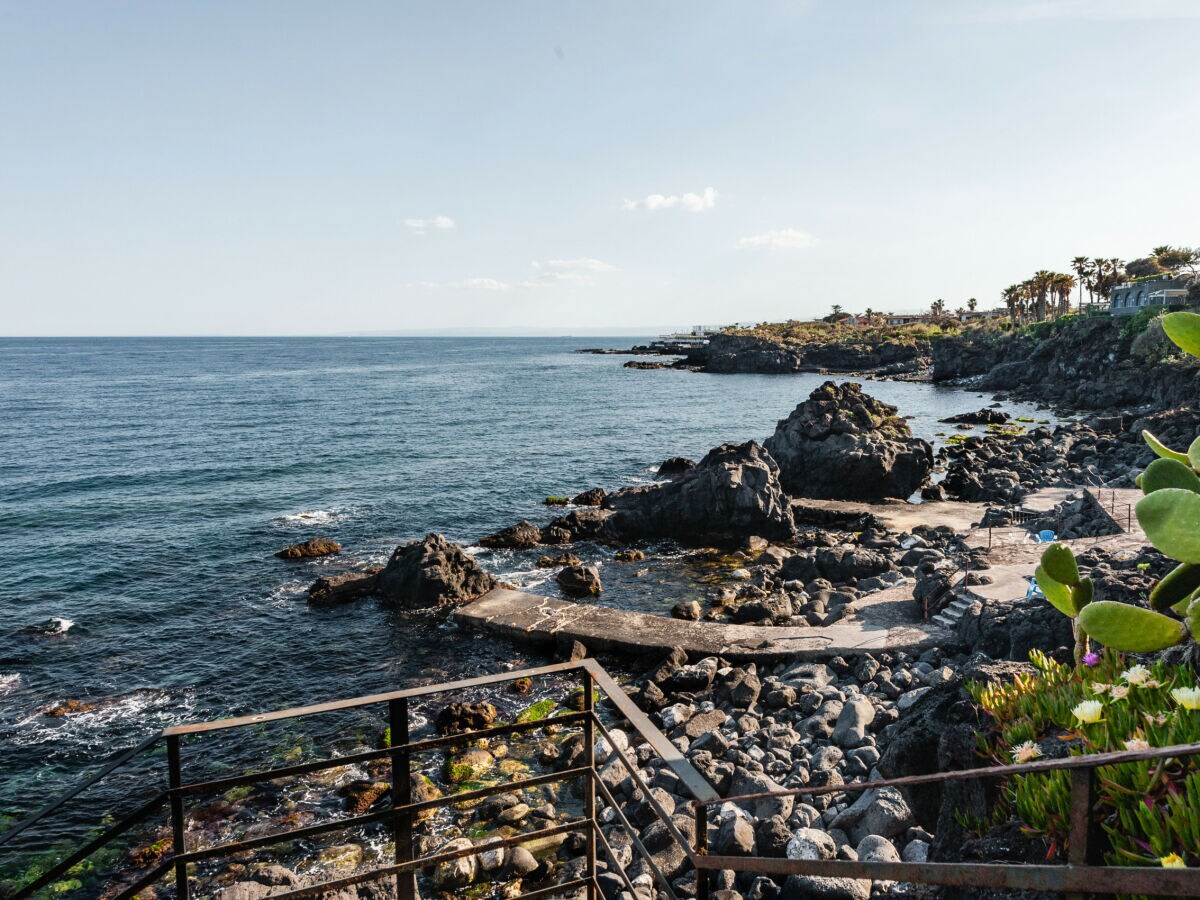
(1088, 761)
(369, 700)
(319, 890)
(612, 855)
(77, 789)
(645, 789)
(91, 846)
(667, 752)
(369, 818)
(1153, 880)
(221, 784)
(466, 796)
(267, 840)
(635, 837)
(555, 889)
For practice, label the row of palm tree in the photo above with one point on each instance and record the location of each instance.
(1045, 295)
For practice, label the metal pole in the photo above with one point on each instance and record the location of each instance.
(174, 782)
(702, 879)
(589, 790)
(1082, 848)
(402, 823)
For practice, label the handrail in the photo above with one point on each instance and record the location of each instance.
(1084, 761)
(78, 789)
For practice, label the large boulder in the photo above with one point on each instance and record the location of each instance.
(431, 572)
(317, 546)
(732, 492)
(843, 444)
(520, 536)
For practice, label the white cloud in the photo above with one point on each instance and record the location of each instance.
(689, 202)
(780, 239)
(421, 226)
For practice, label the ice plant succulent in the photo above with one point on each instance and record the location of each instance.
(1188, 698)
(1136, 675)
(1089, 712)
(1026, 752)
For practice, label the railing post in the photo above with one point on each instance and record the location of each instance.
(702, 880)
(402, 823)
(174, 782)
(1082, 849)
(589, 789)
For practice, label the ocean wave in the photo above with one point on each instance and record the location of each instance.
(9, 682)
(53, 626)
(312, 517)
(92, 726)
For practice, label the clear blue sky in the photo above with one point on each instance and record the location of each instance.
(299, 167)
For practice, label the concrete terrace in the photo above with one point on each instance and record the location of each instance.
(884, 620)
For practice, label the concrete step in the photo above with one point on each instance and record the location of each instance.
(945, 621)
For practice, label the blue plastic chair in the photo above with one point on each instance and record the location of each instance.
(1034, 591)
(1045, 537)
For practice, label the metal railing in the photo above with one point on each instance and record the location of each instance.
(402, 812)
(1081, 874)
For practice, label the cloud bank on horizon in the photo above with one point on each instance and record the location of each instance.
(577, 166)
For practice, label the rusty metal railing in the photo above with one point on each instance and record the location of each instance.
(1081, 876)
(402, 812)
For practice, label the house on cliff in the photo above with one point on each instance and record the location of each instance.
(1159, 290)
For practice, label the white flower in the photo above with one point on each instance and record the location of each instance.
(1120, 691)
(1136, 744)
(1136, 675)
(1089, 711)
(1172, 861)
(1188, 698)
(1099, 687)
(1026, 752)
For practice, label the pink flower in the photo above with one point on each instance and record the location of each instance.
(1091, 659)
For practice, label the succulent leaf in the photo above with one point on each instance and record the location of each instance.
(1082, 593)
(1168, 473)
(1059, 563)
(1194, 454)
(1176, 585)
(1129, 628)
(1171, 519)
(1056, 592)
(1161, 449)
(1183, 328)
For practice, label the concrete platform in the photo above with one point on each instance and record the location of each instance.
(882, 621)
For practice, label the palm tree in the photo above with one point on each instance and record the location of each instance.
(1082, 267)
(972, 303)
(1062, 285)
(938, 307)
(1012, 298)
(1042, 280)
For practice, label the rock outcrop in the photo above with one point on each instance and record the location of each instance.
(843, 444)
(431, 572)
(745, 353)
(734, 491)
(317, 546)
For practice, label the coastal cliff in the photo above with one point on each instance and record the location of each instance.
(729, 353)
(1090, 363)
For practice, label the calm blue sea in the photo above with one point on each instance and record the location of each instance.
(146, 483)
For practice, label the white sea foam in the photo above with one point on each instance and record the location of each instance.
(150, 708)
(9, 682)
(59, 625)
(311, 517)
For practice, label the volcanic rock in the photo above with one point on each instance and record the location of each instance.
(518, 537)
(580, 580)
(317, 546)
(431, 572)
(843, 444)
(733, 491)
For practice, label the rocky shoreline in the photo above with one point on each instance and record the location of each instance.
(755, 727)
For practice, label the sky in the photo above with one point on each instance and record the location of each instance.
(302, 167)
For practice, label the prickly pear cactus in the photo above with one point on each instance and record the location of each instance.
(1170, 516)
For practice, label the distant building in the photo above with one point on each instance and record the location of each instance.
(1162, 290)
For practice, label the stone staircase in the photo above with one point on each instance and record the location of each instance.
(948, 617)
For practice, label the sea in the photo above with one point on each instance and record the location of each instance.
(145, 485)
